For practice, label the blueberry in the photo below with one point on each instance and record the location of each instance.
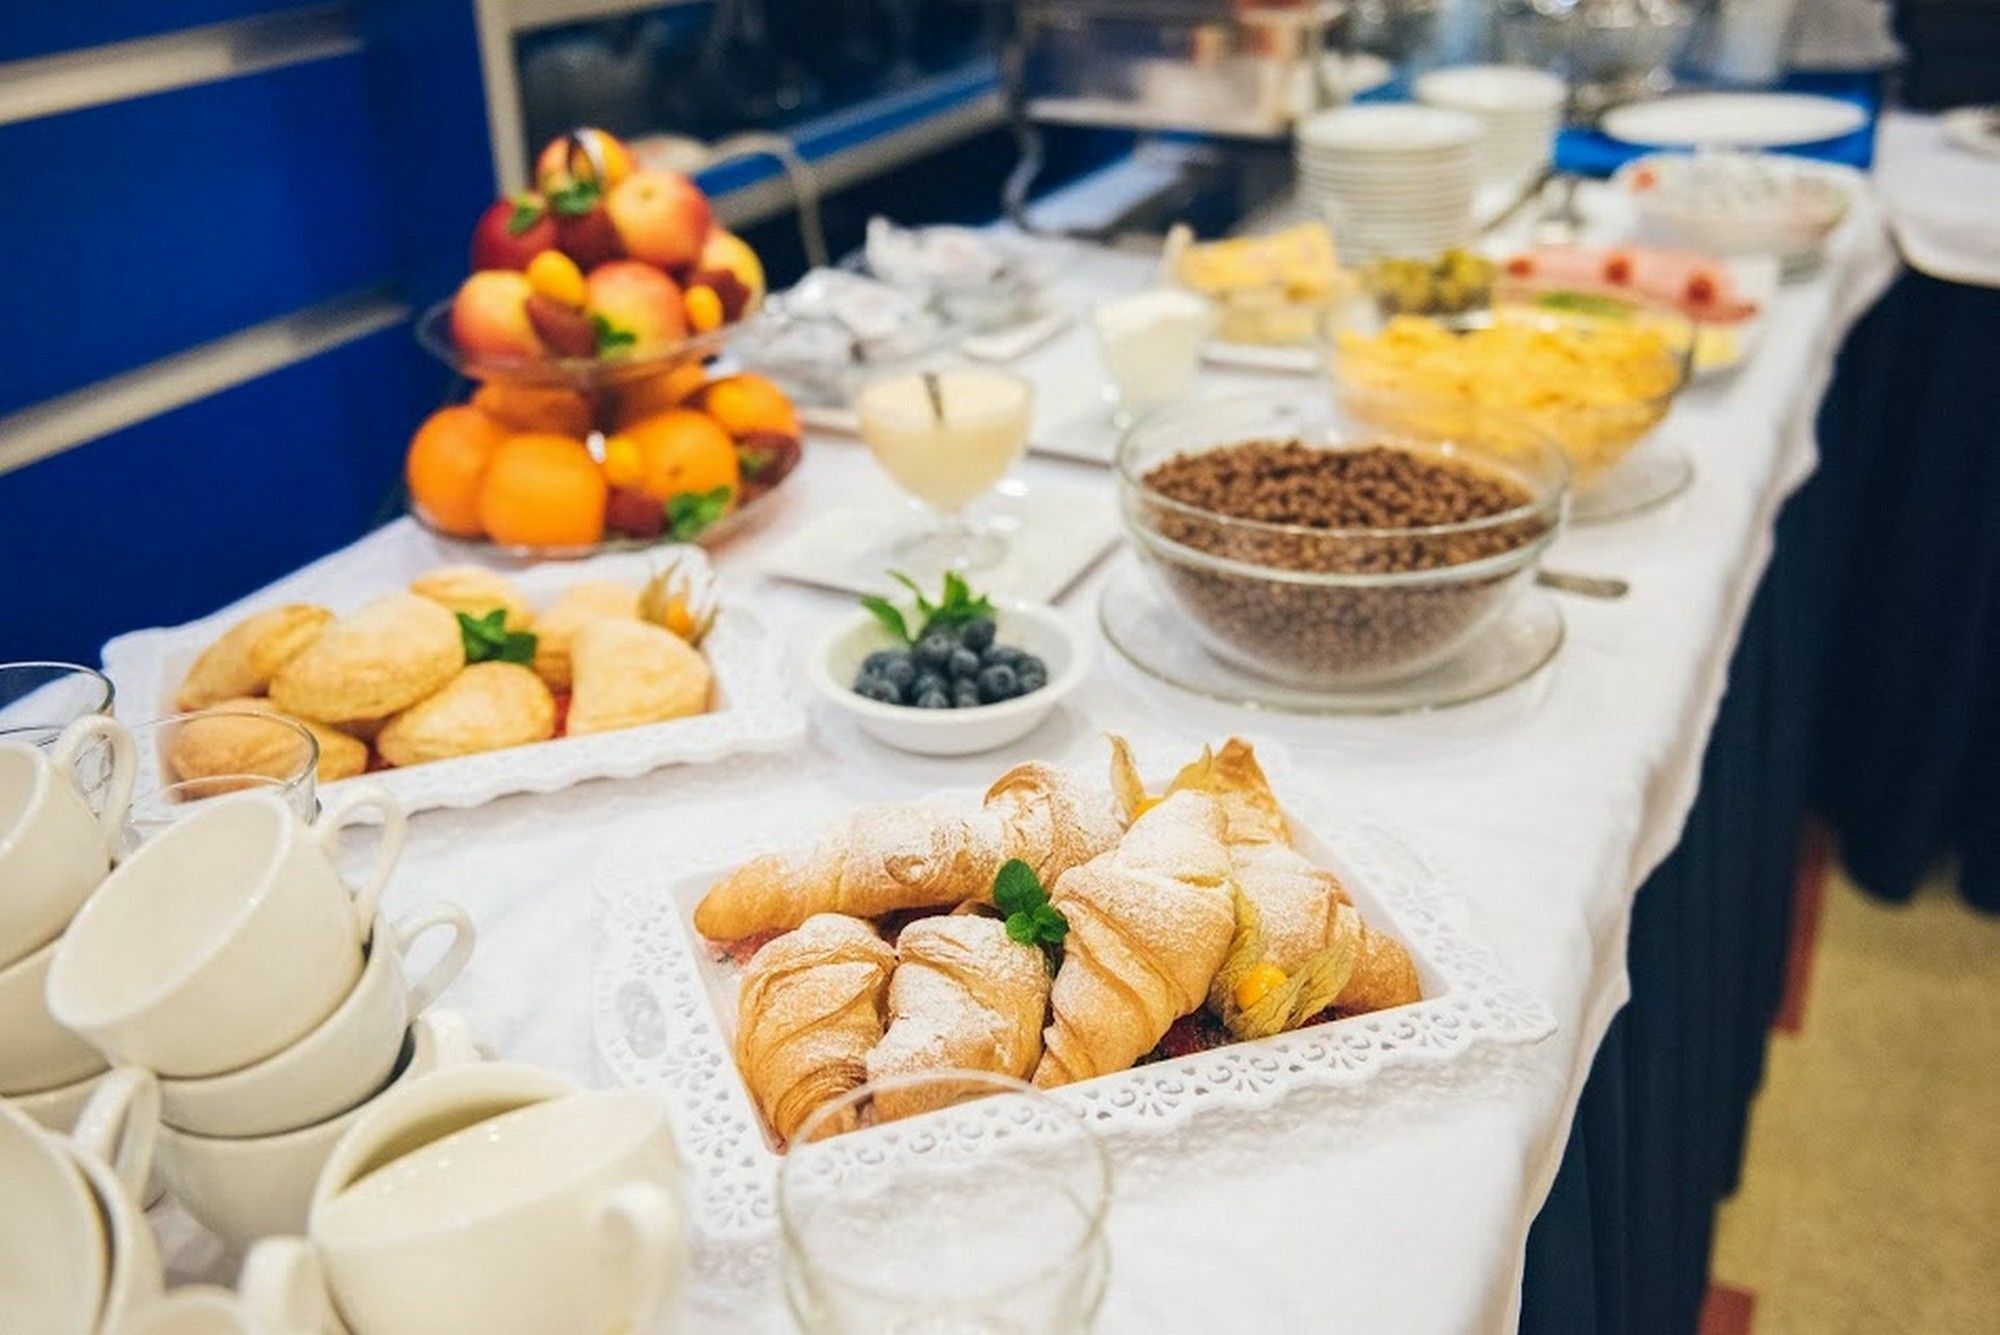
(977, 633)
(899, 672)
(964, 663)
(876, 688)
(1001, 655)
(935, 650)
(965, 694)
(927, 682)
(998, 683)
(1032, 678)
(875, 662)
(933, 700)
(1030, 663)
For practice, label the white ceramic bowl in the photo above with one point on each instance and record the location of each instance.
(1039, 630)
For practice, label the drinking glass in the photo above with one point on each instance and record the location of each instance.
(1151, 345)
(947, 437)
(39, 700)
(246, 750)
(982, 1216)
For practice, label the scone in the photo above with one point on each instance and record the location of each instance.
(250, 653)
(486, 707)
(631, 672)
(475, 591)
(374, 662)
(206, 746)
(578, 604)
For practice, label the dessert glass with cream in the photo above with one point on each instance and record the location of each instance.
(947, 437)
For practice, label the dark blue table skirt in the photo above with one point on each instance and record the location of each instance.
(1911, 731)
(1621, 1246)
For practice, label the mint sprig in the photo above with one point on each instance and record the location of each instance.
(528, 210)
(487, 639)
(956, 605)
(576, 199)
(1031, 919)
(691, 512)
(611, 338)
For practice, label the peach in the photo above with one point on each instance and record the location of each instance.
(730, 253)
(489, 316)
(583, 155)
(661, 217)
(631, 297)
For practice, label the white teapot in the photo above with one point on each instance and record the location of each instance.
(493, 1199)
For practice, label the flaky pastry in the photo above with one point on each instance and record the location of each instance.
(811, 1007)
(203, 747)
(628, 673)
(475, 591)
(372, 663)
(484, 708)
(579, 603)
(246, 657)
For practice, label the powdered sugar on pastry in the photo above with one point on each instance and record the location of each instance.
(810, 1008)
(1295, 900)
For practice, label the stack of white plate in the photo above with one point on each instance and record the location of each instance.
(1519, 109)
(1392, 179)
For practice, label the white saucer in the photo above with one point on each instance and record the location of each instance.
(1656, 471)
(1976, 129)
(1741, 120)
(1152, 635)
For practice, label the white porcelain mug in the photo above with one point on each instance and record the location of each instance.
(559, 1214)
(345, 1058)
(77, 1244)
(53, 850)
(36, 1053)
(242, 1188)
(225, 938)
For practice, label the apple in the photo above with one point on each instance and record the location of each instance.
(512, 232)
(566, 330)
(662, 217)
(631, 297)
(588, 237)
(489, 316)
(583, 155)
(726, 252)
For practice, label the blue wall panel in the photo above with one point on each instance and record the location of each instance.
(42, 27)
(171, 518)
(140, 228)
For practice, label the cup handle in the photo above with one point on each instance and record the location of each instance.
(124, 764)
(283, 1290)
(647, 1247)
(121, 1125)
(410, 928)
(453, 1037)
(337, 818)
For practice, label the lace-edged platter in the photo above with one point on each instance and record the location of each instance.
(753, 709)
(664, 1017)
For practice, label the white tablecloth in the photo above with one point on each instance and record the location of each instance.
(1943, 200)
(1400, 1207)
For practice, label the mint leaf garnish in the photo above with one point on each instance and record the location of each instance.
(956, 605)
(487, 639)
(689, 512)
(610, 337)
(890, 615)
(528, 210)
(576, 198)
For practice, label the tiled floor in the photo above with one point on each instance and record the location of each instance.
(1870, 1203)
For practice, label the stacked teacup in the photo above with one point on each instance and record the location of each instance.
(53, 853)
(228, 956)
(1519, 111)
(80, 1259)
(1391, 179)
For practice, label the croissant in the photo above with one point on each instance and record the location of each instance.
(810, 1009)
(1150, 922)
(1295, 900)
(965, 996)
(882, 859)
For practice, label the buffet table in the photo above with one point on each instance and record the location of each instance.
(1401, 1205)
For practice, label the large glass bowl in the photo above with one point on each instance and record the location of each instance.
(1331, 607)
(587, 374)
(1592, 371)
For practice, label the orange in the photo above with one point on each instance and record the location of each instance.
(543, 491)
(536, 408)
(657, 393)
(747, 405)
(447, 461)
(681, 450)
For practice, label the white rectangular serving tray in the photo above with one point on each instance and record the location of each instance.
(664, 1013)
(754, 707)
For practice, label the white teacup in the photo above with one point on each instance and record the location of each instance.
(562, 1214)
(250, 1187)
(225, 938)
(71, 1229)
(346, 1058)
(57, 1109)
(53, 851)
(36, 1053)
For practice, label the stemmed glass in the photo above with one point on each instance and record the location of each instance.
(947, 437)
(983, 1215)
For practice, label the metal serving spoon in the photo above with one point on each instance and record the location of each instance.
(1587, 586)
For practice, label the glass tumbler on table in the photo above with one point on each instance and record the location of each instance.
(981, 1215)
(947, 438)
(188, 759)
(39, 700)
(1151, 344)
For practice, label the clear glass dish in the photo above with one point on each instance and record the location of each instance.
(587, 374)
(1333, 607)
